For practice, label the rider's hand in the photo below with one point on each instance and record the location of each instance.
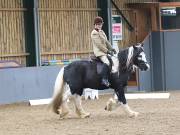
(110, 53)
(114, 51)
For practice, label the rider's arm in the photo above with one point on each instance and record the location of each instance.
(109, 45)
(106, 41)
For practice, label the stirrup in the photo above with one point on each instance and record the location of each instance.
(105, 82)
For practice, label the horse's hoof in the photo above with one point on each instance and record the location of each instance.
(85, 115)
(134, 115)
(108, 108)
(109, 105)
(63, 115)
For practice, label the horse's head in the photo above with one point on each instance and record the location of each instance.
(133, 55)
(139, 57)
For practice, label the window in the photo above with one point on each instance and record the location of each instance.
(170, 18)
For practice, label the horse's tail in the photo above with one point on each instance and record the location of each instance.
(58, 92)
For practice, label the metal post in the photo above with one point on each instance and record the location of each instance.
(37, 34)
(109, 11)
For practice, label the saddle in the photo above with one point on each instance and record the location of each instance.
(99, 63)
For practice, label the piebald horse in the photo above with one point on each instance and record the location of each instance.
(75, 77)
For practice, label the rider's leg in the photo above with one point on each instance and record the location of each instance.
(105, 70)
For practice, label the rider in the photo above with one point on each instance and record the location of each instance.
(101, 47)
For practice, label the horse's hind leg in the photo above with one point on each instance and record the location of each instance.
(78, 106)
(64, 109)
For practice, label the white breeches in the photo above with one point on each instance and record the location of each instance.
(105, 60)
(115, 66)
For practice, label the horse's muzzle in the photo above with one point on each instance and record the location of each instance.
(144, 66)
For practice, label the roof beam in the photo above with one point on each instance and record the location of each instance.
(130, 27)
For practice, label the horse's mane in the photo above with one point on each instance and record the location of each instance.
(123, 59)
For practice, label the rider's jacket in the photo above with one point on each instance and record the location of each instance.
(100, 43)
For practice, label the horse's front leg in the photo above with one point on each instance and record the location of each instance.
(113, 103)
(122, 99)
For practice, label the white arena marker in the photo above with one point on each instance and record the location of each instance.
(147, 96)
(128, 96)
(91, 93)
(40, 101)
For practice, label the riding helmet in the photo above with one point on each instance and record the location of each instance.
(98, 20)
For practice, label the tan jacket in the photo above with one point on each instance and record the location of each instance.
(100, 43)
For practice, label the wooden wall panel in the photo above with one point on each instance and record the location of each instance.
(65, 28)
(144, 24)
(140, 1)
(11, 4)
(12, 39)
(139, 20)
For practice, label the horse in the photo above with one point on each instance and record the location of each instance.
(78, 75)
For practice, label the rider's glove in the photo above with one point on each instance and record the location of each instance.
(110, 53)
(114, 51)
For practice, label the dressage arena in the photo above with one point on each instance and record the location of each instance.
(157, 117)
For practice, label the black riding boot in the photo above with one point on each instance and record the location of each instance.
(105, 75)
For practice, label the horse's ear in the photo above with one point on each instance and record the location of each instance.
(134, 46)
(142, 44)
